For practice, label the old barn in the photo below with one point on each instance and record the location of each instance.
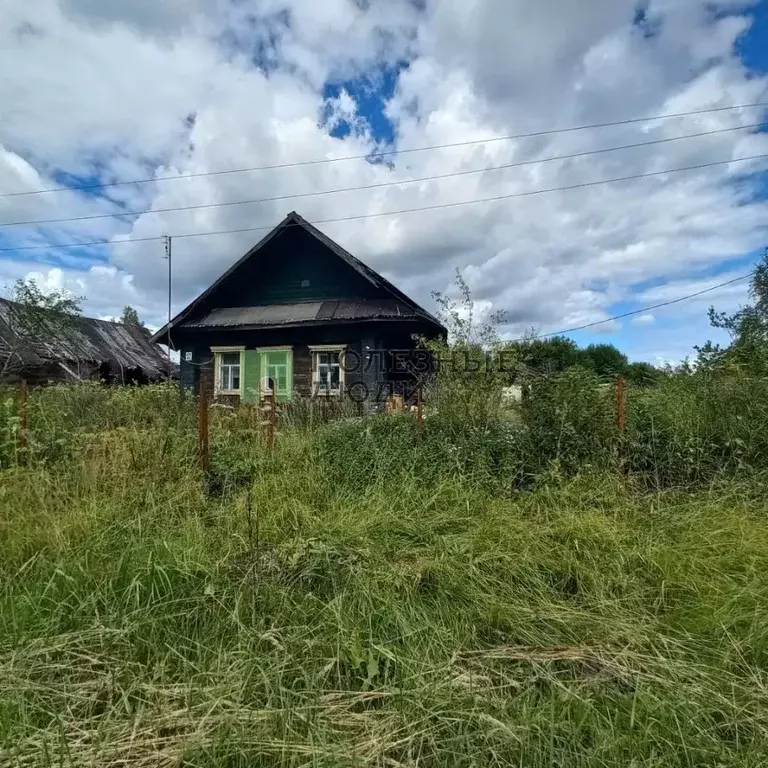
(41, 347)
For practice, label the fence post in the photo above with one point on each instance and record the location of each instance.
(272, 419)
(419, 411)
(202, 436)
(24, 420)
(622, 422)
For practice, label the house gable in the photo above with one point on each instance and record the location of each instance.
(293, 267)
(295, 263)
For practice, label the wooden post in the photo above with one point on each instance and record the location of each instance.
(272, 418)
(202, 436)
(24, 420)
(419, 411)
(620, 404)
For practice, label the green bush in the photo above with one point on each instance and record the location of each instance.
(694, 427)
(59, 415)
(570, 422)
(686, 430)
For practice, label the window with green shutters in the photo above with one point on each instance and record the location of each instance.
(251, 372)
(276, 371)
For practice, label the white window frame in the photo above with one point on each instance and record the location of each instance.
(217, 354)
(316, 350)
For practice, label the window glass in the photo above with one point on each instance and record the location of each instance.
(229, 371)
(327, 371)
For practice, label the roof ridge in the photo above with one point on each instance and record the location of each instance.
(293, 218)
(371, 274)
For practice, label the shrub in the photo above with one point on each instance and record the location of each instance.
(570, 420)
(694, 427)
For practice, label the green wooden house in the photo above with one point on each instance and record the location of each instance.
(300, 316)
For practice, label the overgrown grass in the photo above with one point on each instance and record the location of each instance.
(358, 597)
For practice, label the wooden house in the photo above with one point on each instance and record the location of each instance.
(299, 315)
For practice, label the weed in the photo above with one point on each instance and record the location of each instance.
(358, 596)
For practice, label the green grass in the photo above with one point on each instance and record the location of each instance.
(361, 599)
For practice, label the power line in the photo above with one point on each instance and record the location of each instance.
(91, 244)
(637, 311)
(379, 185)
(389, 153)
(582, 185)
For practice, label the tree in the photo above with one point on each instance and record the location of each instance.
(35, 316)
(747, 327)
(131, 317)
(459, 319)
(604, 360)
(468, 373)
(644, 374)
(35, 303)
(551, 355)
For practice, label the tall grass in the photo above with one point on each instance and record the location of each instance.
(360, 597)
(696, 427)
(684, 432)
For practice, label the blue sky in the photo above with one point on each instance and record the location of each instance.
(103, 92)
(372, 92)
(753, 45)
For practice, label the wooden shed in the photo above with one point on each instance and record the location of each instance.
(75, 348)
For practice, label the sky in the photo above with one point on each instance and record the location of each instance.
(96, 92)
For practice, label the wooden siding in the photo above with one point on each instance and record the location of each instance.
(356, 338)
(293, 267)
(302, 370)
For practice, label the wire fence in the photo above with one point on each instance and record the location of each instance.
(37, 424)
(685, 430)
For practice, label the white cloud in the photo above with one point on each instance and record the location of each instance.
(115, 92)
(703, 292)
(644, 319)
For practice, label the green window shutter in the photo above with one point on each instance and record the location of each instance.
(287, 395)
(251, 377)
(277, 365)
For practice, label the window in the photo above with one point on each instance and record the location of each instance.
(275, 375)
(229, 372)
(276, 372)
(229, 366)
(327, 370)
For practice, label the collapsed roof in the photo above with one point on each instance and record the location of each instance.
(70, 342)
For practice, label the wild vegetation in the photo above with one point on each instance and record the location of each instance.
(545, 355)
(34, 312)
(533, 588)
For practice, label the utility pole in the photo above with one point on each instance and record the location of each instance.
(167, 242)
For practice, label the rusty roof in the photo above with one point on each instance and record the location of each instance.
(79, 340)
(305, 312)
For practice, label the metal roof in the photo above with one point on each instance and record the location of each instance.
(291, 220)
(306, 312)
